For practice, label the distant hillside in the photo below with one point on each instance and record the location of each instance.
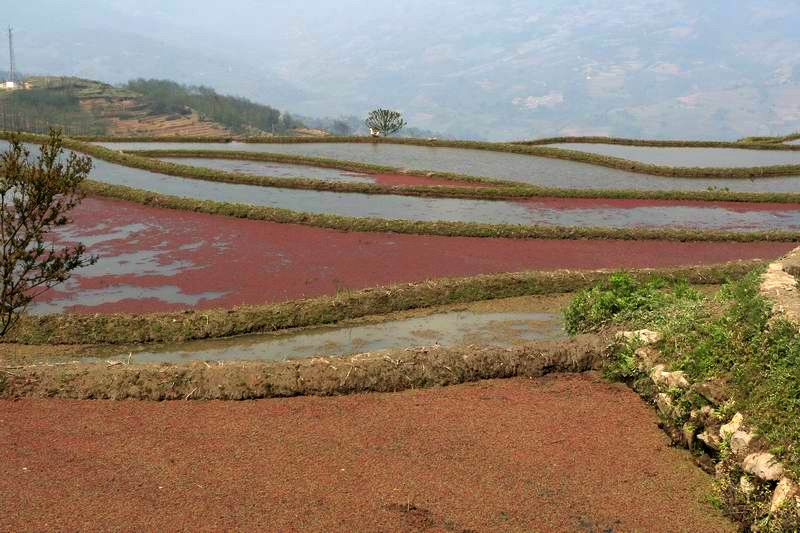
(142, 107)
(235, 113)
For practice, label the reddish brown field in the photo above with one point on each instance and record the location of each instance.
(563, 453)
(157, 260)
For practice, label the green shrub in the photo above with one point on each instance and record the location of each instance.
(621, 299)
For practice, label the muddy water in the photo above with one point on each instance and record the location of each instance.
(523, 168)
(276, 170)
(689, 157)
(503, 323)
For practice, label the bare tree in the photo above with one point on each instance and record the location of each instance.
(385, 122)
(35, 199)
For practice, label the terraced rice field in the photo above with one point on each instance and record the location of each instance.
(688, 156)
(278, 170)
(287, 242)
(526, 169)
(557, 212)
(155, 259)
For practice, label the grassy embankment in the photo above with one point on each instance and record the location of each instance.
(752, 143)
(180, 326)
(771, 140)
(385, 371)
(730, 336)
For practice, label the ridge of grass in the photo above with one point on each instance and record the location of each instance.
(771, 140)
(756, 144)
(215, 323)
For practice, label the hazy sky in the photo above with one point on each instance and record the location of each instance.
(499, 69)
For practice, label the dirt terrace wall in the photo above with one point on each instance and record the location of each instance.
(385, 371)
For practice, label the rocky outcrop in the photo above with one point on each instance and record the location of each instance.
(642, 336)
(787, 494)
(779, 286)
(764, 466)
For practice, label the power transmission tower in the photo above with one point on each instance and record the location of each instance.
(12, 65)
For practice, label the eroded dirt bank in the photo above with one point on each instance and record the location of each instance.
(382, 371)
(562, 453)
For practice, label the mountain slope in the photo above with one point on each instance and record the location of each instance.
(501, 69)
(140, 108)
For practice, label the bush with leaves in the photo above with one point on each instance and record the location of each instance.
(619, 299)
(35, 199)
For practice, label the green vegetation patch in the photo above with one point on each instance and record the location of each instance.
(729, 336)
(79, 87)
(36, 109)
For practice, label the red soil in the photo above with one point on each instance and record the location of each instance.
(563, 453)
(255, 262)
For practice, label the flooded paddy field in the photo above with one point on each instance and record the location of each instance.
(283, 170)
(689, 156)
(155, 259)
(505, 323)
(277, 170)
(485, 163)
(561, 212)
